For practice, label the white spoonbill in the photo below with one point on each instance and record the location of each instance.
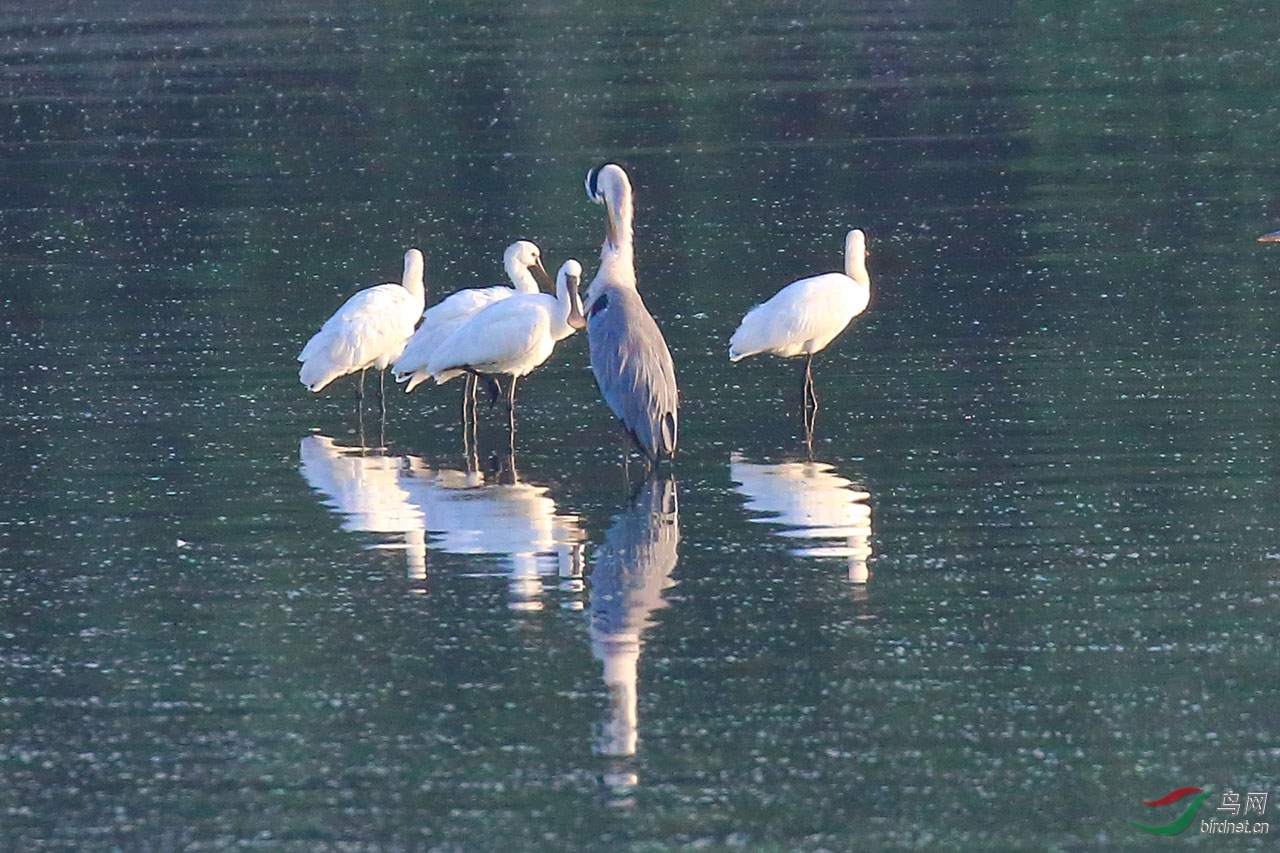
(523, 264)
(629, 356)
(806, 315)
(1273, 237)
(514, 335)
(369, 330)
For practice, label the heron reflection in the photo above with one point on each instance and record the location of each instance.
(629, 573)
(810, 501)
(498, 516)
(363, 486)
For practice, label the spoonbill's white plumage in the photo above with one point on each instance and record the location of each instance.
(806, 315)
(523, 264)
(514, 335)
(369, 330)
(629, 356)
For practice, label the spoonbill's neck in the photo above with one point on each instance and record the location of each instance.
(412, 279)
(521, 278)
(855, 258)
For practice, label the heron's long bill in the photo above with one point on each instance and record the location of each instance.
(576, 320)
(1273, 237)
(540, 273)
(610, 227)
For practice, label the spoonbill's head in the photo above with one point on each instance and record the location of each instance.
(523, 254)
(570, 276)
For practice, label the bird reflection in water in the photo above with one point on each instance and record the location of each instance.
(810, 501)
(363, 486)
(499, 516)
(629, 573)
(463, 512)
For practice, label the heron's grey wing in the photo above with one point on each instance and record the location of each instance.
(633, 368)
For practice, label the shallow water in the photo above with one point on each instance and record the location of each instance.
(1026, 577)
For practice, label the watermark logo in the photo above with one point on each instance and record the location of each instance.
(1183, 820)
(1255, 803)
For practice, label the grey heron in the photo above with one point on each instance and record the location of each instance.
(629, 356)
(512, 336)
(806, 315)
(369, 330)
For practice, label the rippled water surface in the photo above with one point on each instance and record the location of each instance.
(1025, 578)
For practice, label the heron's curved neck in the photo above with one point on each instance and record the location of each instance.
(617, 253)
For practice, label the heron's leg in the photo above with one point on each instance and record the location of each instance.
(626, 457)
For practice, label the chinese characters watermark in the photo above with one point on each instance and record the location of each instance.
(1255, 803)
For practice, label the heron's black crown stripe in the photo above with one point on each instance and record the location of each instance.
(593, 177)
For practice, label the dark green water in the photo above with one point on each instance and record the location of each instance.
(1049, 445)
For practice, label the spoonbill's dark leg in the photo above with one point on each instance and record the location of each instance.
(810, 421)
(808, 384)
(382, 393)
(469, 413)
(511, 414)
(360, 398)
(810, 402)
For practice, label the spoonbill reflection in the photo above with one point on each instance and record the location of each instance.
(629, 356)
(629, 573)
(512, 336)
(809, 501)
(806, 315)
(522, 262)
(365, 490)
(513, 521)
(369, 330)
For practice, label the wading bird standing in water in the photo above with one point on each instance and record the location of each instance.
(369, 330)
(1273, 237)
(512, 336)
(523, 264)
(629, 356)
(806, 315)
